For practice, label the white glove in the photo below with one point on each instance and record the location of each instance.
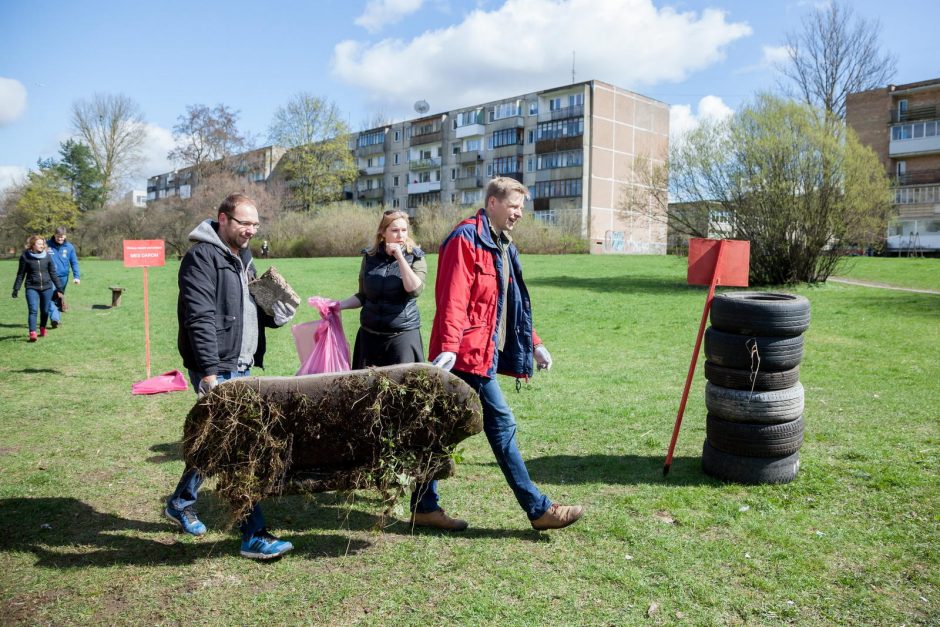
(543, 358)
(445, 361)
(77, 281)
(206, 385)
(282, 313)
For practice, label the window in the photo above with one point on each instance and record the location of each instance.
(507, 165)
(529, 164)
(570, 127)
(397, 158)
(395, 181)
(466, 118)
(396, 203)
(473, 145)
(507, 137)
(557, 189)
(534, 107)
(902, 107)
(505, 110)
(455, 148)
(531, 136)
(398, 135)
(564, 159)
(453, 174)
(371, 139)
(901, 168)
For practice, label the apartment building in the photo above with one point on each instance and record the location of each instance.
(257, 165)
(573, 146)
(902, 126)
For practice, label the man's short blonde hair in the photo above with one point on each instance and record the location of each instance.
(502, 186)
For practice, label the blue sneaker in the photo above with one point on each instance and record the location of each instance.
(186, 520)
(264, 546)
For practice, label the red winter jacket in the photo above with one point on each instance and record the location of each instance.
(468, 299)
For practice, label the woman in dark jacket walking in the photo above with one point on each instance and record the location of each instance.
(391, 278)
(42, 282)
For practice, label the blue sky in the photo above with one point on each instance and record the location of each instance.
(379, 56)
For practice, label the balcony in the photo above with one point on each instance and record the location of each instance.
(919, 177)
(510, 150)
(558, 174)
(424, 164)
(430, 137)
(556, 144)
(371, 170)
(574, 111)
(373, 149)
(376, 193)
(425, 187)
(470, 182)
(917, 195)
(471, 156)
(516, 121)
(470, 130)
(914, 146)
(923, 112)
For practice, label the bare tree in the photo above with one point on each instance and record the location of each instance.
(836, 53)
(112, 126)
(204, 135)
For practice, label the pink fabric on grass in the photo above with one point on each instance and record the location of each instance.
(172, 381)
(321, 344)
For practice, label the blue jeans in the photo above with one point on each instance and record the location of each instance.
(54, 314)
(499, 425)
(187, 490)
(38, 303)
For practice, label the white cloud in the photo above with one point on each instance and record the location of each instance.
(771, 56)
(12, 100)
(11, 175)
(682, 119)
(381, 13)
(158, 143)
(526, 45)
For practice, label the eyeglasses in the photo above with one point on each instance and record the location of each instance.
(245, 223)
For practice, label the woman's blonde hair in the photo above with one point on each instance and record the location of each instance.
(387, 218)
(32, 240)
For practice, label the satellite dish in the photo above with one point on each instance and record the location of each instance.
(422, 106)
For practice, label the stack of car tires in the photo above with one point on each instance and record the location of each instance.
(753, 350)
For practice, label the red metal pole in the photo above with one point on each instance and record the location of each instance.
(698, 343)
(146, 322)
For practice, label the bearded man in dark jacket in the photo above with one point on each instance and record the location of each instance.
(221, 336)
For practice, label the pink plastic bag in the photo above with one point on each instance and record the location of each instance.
(172, 381)
(321, 344)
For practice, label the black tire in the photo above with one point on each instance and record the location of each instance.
(741, 469)
(737, 379)
(760, 313)
(754, 440)
(767, 408)
(772, 354)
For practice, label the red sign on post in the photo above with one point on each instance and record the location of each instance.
(143, 253)
(140, 253)
(712, 262)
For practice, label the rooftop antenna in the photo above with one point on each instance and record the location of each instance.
(572, 67)
(422, 107)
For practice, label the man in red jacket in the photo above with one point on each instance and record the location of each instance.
(483, 326)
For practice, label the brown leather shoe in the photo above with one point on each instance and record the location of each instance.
(558, 516)
(438, 519)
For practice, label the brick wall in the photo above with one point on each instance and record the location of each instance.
(868, 114)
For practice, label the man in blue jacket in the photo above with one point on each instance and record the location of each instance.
(65, 259)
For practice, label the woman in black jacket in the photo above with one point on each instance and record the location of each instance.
(42, 281)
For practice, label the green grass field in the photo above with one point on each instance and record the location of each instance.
(85, 467)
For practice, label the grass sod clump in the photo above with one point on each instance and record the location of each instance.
(383, 428)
